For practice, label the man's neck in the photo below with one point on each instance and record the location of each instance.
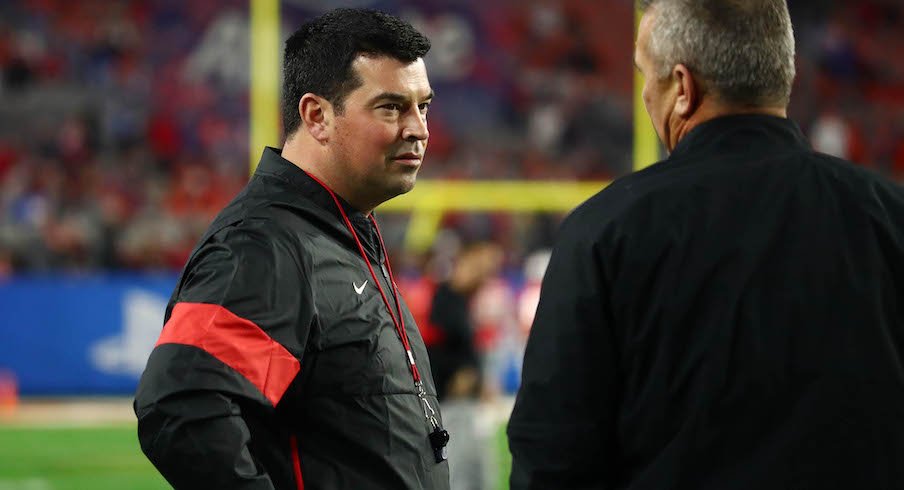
(313, 161)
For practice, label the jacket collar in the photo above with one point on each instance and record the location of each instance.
(272, 163)
(746, 133)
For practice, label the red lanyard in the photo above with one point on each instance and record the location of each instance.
(438, 437)
(400, 322)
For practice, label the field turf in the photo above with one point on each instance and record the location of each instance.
(97, 458)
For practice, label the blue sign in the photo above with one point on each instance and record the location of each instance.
(62, 334)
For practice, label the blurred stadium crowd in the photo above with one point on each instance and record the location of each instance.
(124, 125)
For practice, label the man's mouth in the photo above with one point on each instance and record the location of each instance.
(412, 159)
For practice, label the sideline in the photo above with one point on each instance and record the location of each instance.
(67, 413)
(24, 484)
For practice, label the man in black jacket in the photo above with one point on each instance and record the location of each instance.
(731, 317)
(288, 359)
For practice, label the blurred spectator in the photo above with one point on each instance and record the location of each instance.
(455, 362)
(534, 269)
(122, 128)
(835, 136)
(454, 356)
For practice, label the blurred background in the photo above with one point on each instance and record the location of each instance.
(125, 127)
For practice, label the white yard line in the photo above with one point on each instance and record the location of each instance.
(67, 412)
(25, 484)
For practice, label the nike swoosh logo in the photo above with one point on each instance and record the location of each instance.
(359, 290)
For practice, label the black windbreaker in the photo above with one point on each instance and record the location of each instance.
(279, 365)
(731, 318)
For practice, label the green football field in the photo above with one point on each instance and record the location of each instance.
(93, 458)
(74, 459)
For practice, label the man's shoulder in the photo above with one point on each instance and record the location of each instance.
(850, 172)
(650, 194)
(614, 201)
(852, 184)
(266, 227)
(279, 210)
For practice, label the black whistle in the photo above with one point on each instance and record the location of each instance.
(438, 440)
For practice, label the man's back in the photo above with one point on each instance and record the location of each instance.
(752, 329)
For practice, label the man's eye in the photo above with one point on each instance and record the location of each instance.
(392, 107)
(424, 107)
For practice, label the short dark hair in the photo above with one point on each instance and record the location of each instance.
(319, 55)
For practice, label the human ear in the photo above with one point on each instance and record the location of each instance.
(316, 115)
(688, 96)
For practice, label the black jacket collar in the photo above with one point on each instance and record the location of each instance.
(272, 163)
(746, 133)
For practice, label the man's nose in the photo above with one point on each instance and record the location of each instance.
(415, 128)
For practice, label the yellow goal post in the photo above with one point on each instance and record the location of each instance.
(430, 199)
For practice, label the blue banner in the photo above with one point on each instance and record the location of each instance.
(80, 334)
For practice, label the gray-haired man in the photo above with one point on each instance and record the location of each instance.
(732, 316)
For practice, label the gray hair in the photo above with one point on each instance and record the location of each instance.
(742, 49)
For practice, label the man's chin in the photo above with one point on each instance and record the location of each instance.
(406, 184)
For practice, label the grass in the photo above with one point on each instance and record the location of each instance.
(505, 459)
(104, 458)
(99, 458)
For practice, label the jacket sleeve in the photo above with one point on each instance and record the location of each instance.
(231, 344)
(562, 429)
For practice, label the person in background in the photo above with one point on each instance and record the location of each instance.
(456, 363)
(730, 317)
(454, 358)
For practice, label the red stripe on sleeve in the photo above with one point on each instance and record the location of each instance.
(236, 342)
